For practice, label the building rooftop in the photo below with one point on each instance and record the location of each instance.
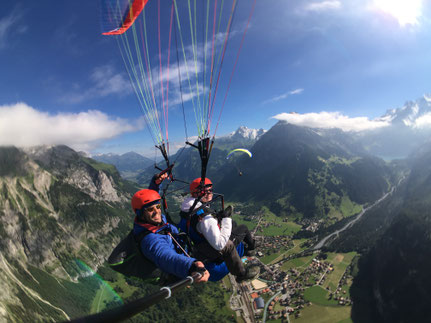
(257, 284)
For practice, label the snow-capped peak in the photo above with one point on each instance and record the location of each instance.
(410, 118)
(408, 114)
(247, 133)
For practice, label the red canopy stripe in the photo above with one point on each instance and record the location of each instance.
(134, 11)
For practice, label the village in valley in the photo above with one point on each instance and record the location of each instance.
(296, 283)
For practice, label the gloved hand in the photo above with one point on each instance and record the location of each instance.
(227, 213)
(198, 267)
(159, 178)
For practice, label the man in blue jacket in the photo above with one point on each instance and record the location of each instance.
(160, 245)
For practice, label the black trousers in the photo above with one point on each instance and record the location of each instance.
(206, 253)
(241, 233)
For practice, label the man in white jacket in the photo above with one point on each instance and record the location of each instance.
(212, 234)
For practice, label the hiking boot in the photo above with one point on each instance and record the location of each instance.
(255, 244)
(250, 249)
(251, 272)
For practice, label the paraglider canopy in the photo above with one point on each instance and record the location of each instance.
(176, 53)
(121, 15)
(239, 150)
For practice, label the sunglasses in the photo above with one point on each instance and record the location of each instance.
(153, 208)
(208, 191)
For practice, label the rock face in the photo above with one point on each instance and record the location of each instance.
(55, 207)
(75, 170)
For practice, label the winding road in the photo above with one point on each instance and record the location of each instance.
(267, 304)
(324, 240)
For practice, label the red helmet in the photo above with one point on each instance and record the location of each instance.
(144, 198)
(195, 184)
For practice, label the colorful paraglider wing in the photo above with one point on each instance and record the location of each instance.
(239, 150)
(119, 15)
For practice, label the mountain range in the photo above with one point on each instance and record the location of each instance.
(129, 164)
(61, 213)
(408, 128)
(296, 171)
(395, 239)
(242, 137)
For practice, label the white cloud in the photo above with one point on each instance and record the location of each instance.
(149, 84)
(5, 25)
(107, 82)
(186, 72)
(423, 121)
(190, 70)
(329, 120)
(283, 96)
(104, 81)
(188, 95)
(190, 88)
(8, 24)
(323, 6)
(406, 12)
(24, 126)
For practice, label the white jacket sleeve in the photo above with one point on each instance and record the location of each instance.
(188, 203)
(216, 237)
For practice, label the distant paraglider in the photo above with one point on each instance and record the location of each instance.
(239, 151)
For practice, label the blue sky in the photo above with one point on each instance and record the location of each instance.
(329, 61)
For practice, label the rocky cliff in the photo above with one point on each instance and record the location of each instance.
(56, 209)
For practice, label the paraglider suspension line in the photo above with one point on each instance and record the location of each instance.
(179, 81)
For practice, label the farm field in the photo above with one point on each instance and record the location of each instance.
(323, 314)
(240, 220)
(270, 258)
(340, 263)
(298, 263)
(318, 295)
(296, 249)
(272, 225)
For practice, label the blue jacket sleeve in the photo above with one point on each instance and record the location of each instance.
(153, 186)
(160, 250)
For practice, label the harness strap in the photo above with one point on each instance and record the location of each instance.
(179, 246)
(146, 231)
